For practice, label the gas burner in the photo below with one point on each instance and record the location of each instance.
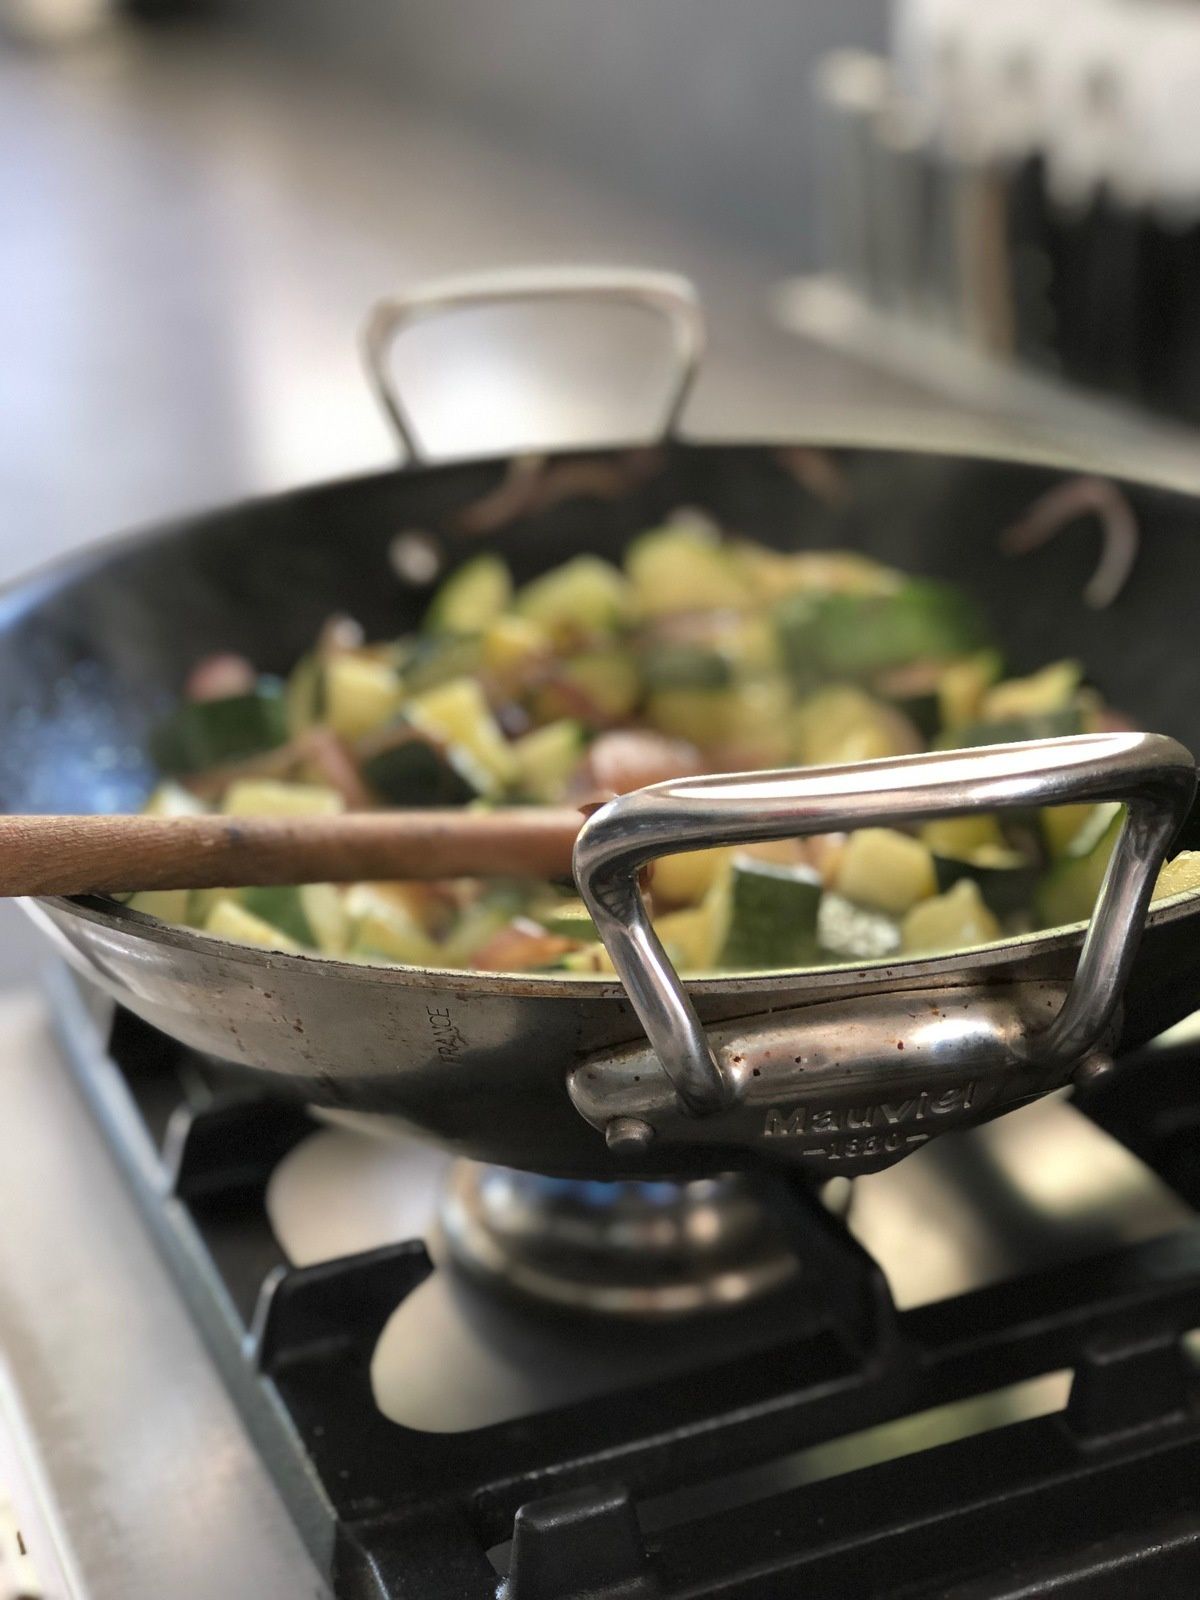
(822, 1438)
(627, 1249)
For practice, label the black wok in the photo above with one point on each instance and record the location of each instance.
(94, 650)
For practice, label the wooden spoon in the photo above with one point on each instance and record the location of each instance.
(118, 854)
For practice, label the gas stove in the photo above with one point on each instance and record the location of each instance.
(971, 1377)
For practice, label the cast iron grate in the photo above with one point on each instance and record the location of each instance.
(1100, 1499)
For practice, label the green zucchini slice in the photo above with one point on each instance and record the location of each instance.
(547, 757)
(415, 772)
(852, 636)
(571, 918)
(1005, 878)
(312, 914)
(685, 567)
(772, 915)
(685, 666)
(1068, 891)
(471, 597)
(582, 597)
(1012, 730)
(213, 733)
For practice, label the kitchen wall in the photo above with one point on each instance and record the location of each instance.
(699, 106)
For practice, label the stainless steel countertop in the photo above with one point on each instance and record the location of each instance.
(151, 1486)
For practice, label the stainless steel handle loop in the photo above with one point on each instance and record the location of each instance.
(1153, 775)
(670, 296)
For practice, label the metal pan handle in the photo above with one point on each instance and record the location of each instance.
(668, 295)
(1153, 775)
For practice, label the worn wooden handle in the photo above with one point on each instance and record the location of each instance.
(116, 854)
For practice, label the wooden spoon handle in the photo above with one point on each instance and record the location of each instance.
(116, 854)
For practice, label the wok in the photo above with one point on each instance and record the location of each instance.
(841, 1069)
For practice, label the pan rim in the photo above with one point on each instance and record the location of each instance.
(1022, 948)
(82, 561)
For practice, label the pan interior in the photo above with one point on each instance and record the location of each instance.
(92, 652)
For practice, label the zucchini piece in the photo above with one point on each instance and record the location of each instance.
(775, 574)
(1046, 725)
(949, 921)
(547, 757)
(282, 909)
(685, 666)
(755, 730)
(229, 920)
(842, 723)
(202, 901)
(381, 925)
(583, 596)
(1005, 878)
(514, 647)
(304, 696)
(324, 907)
(475, 927)
(267, 797)
(693, 938)
(429, 660)
(480, 922)
(1068, 891)
(609, 678)
(210, 733)
(360, 693)
(457, 714)
(1052, 689)
(168, 905)
(598, 687)
(963, 685)
(913, 689)
(854, 933)
(772, 916)
(312, 914)
(690, 938)
(958, 836)
(172, 800)
(1180, 876)
(852, 636)
(747, 640)
(684, 879)
(701, 716)
(885, 871)
(593, 960)
(413, 771)
(1060, 826)
(751, 715)
(570, 918)
(472, 596)
(685, 567)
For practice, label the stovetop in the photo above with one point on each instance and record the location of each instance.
(982, 1386)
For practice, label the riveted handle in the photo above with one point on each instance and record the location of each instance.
(1154, 776)
(668, 295)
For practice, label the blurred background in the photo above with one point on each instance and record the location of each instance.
(952, 223)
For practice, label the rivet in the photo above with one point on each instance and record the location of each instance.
(628, 1136)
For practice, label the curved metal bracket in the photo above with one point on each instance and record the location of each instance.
(826, 1086)
(671, 297)
(1153, 775)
